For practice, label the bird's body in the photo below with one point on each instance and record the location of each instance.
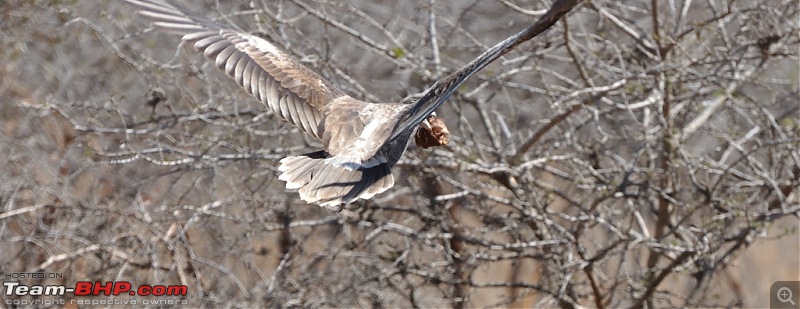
(355, 163)
(361, 140)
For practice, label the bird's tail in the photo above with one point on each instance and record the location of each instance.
(330, 185)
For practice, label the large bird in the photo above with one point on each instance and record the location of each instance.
(361, 140)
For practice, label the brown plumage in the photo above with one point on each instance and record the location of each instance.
(361, 140)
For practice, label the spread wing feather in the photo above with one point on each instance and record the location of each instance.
(285, 86)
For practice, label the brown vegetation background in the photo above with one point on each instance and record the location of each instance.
(638, 154)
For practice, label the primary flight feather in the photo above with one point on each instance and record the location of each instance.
(361, 140)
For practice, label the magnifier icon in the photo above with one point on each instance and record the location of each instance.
(785, 296)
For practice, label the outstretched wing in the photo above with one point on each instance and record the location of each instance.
(442, 89)
(288, 88)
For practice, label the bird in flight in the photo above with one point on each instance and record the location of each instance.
(361, 140)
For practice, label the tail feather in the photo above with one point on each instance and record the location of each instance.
(317, 190)
(383, 182)
(301, 168)
(360, 188)
(335, 182)
(327, 184)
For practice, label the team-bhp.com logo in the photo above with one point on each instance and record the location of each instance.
(86, 288)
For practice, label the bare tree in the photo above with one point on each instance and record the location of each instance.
(638, 154)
